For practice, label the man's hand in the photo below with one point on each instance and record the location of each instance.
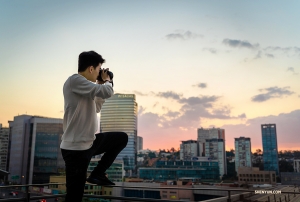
(104, 75)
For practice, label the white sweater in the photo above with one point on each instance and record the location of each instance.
(83, 100)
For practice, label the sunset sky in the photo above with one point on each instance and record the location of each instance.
(191, 64)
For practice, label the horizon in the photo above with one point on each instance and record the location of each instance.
(200, 64)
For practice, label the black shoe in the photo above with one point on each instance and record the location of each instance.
(99, 180)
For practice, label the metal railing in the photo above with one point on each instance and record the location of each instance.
(28, 196)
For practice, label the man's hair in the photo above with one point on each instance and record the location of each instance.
(87, 59)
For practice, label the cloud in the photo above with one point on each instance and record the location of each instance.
(183, 35)
(169, 94)
(212, 50)
(283, 49)
(201, 85)
(155, 104)
(269, 55)
(258, 55)
(291, 69)
(239, 44)
(203, 100)
(139, 93)
(272, 92)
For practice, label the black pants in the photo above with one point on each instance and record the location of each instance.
(77, 161)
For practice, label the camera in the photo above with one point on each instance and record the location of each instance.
(110, 74)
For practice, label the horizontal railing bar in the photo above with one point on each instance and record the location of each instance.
(128, 198)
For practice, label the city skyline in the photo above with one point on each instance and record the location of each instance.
(190, 64)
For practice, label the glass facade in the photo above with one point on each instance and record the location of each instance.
(119, 113)
(270, 149)
(174, 170)
(47, 156)
(35, 153)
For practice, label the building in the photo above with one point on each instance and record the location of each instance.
(290, 178)
(297, 165)
(209, 133)
(115, 172)
(119, 113)
(4, 141)
(174, 170)
(188, 150)
(270, 148)
(243, 155)
(34, 151)
(215, 150)
(139, 143)
(252, 175)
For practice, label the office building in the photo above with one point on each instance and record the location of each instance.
(252, 175)
(290, 178)
(139, 143)
(119, 113)
(175, 170)
(215, 150)
(243, 156)
(209, 133)
(270, 148)
(4, 141)
(34, 152)
(297, 165)
(188, 150)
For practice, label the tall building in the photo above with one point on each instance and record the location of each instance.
(209, 133)
(211, 143)
(139, 143)
(34, 151)
(215, 150)
(4, 140)
(119, 113)
(270, 148)
(242, 152)
(188, 150)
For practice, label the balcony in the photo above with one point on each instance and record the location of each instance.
(229, 195)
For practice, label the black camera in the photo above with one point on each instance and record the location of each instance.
(110, 74)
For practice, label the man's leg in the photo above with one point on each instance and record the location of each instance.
(112, 143)
(76, 163)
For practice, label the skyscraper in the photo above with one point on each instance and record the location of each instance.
(139, 143)
(4, 137)
(270, 148)
(119, 113)
(242, 152)
(35, 153)
(215, 150)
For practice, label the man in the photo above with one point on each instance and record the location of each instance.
(83, 99)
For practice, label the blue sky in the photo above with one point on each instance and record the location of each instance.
(191, 64)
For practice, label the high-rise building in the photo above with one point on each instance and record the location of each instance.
(4, 138)
(209, 133)
(139, 143)
(119, 113)
(215, 150)
(188, 150)
(34, 151)
(211, 143)
(242, 152)
(270, 148)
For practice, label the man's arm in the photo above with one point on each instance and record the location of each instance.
(82, 86)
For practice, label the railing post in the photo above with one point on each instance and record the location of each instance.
(229, 198)
(284, 197)
(294, 193)
(274, 197)
(268, 198)
(280, 199)
(27, 194)
(289, 197)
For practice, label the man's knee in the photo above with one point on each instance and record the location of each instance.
(124, 138)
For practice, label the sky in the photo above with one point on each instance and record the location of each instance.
(191, 64)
